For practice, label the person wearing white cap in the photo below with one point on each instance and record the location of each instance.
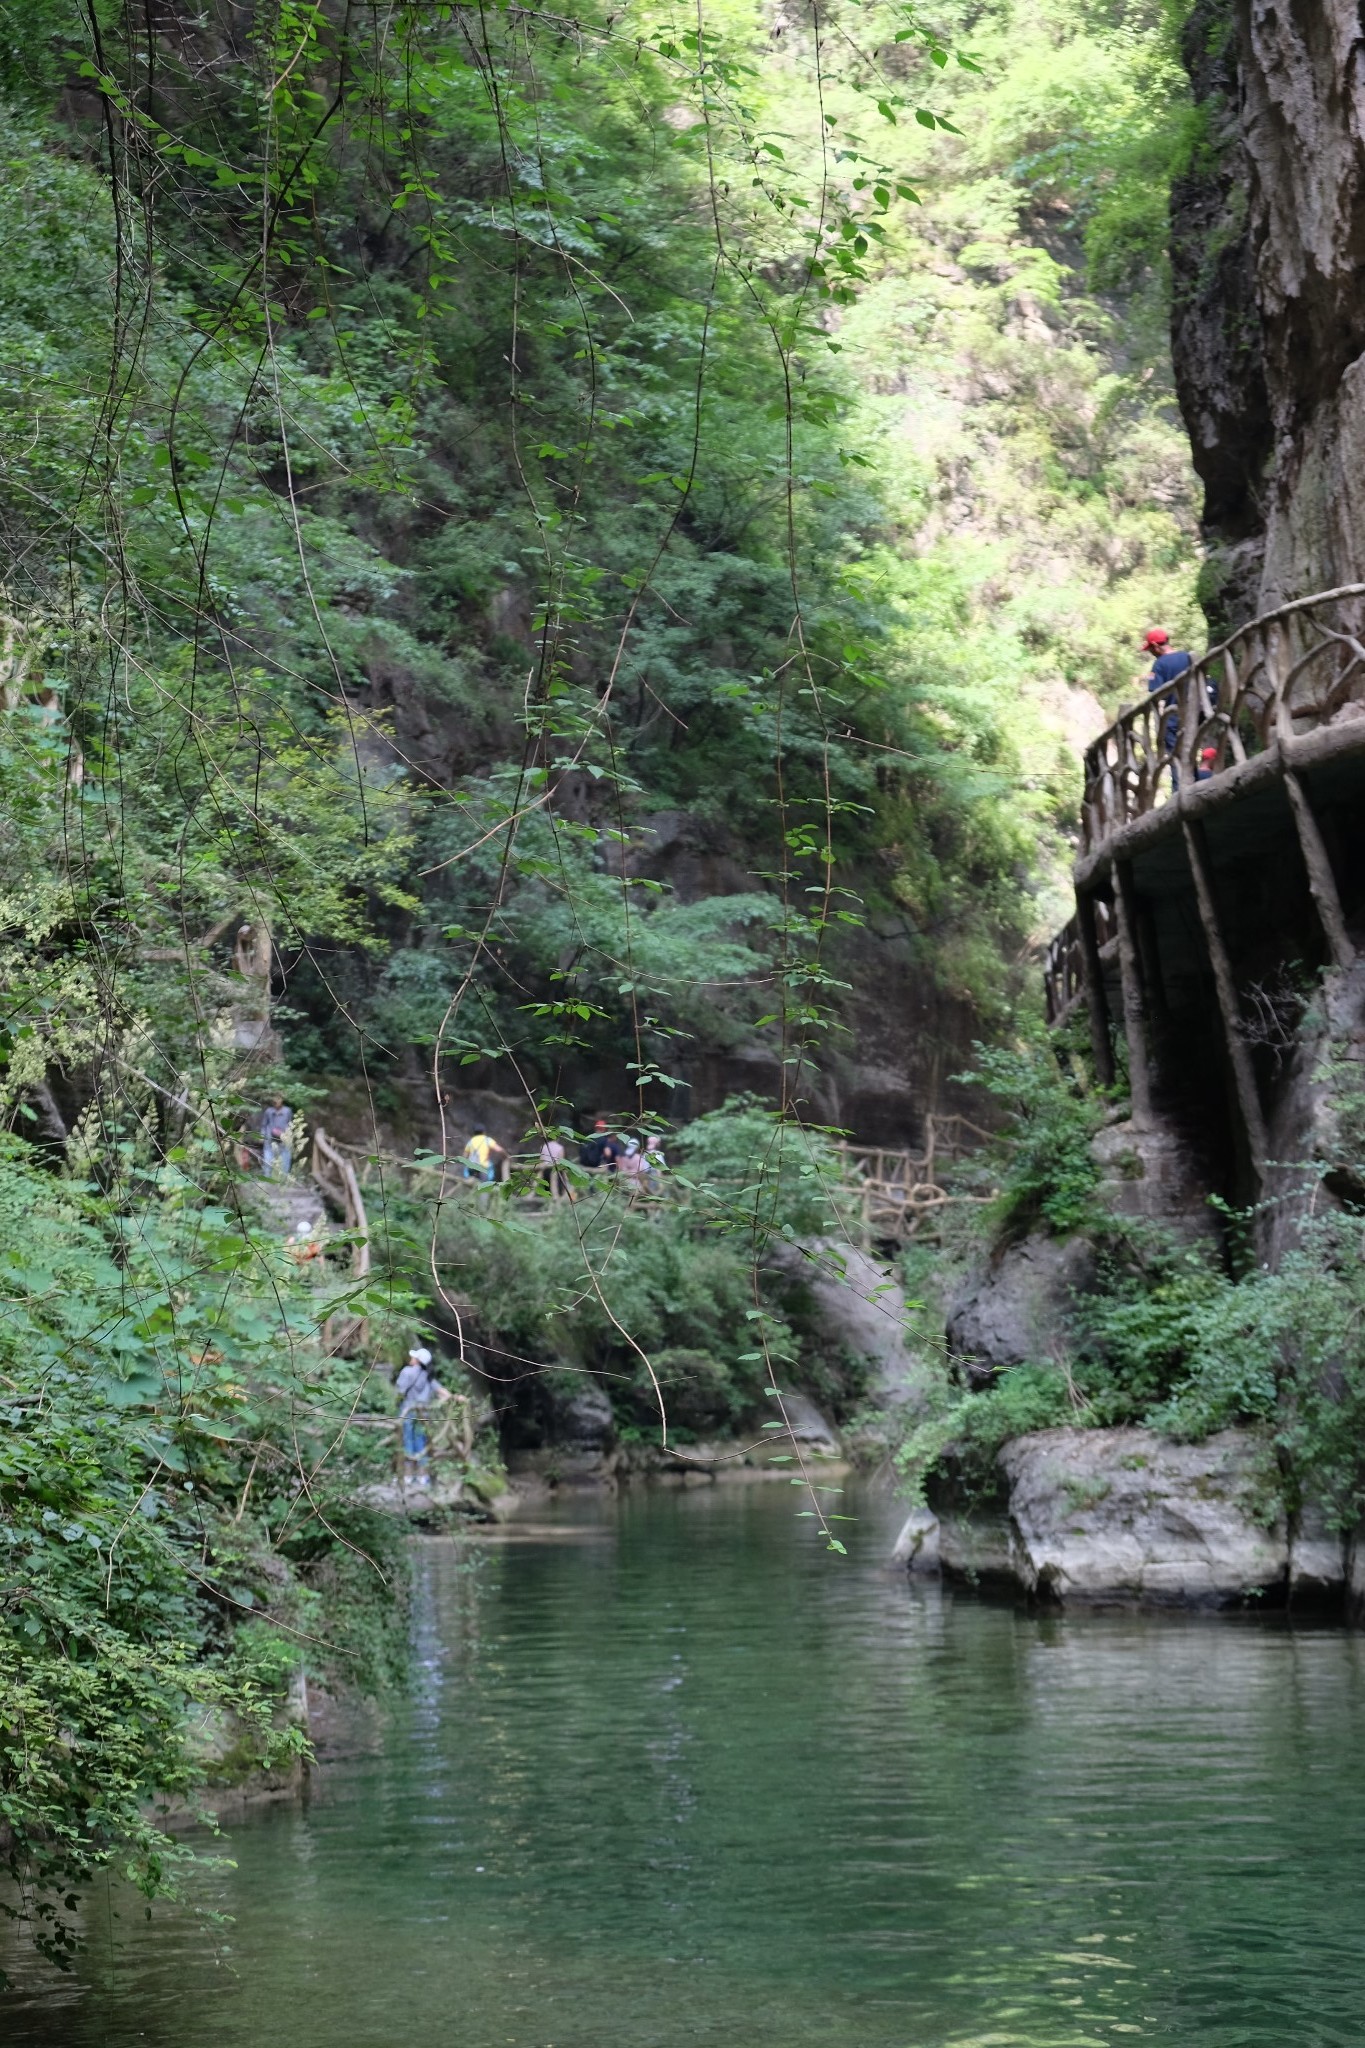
(417, 1387)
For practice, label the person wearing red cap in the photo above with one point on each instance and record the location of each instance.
(1167, 664)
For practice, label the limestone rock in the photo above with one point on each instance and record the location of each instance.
(855, 1303)
(979, 1549)
(1124, 1514)
(581, 1416)
(917, 1546)
(1317, 1559)
(1269, 318)
(809, 1427)
(1017, 1308)
(1355, 1574)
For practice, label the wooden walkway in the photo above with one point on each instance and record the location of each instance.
(893, 1195)
(1218, 875)
(1285, 691)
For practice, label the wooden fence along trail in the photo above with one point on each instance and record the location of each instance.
(897, 1192)
(1218, 836)
(894, 1193)
(336, 1180)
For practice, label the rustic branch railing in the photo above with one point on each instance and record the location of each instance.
(1284, 674)
(336, 1177)
(896, 1191)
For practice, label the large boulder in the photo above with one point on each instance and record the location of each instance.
(1124, 1514)
(856, 1304)
(1016, 1308)
(917, 1546)
(808, 1427)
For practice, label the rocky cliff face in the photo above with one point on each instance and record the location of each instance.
(1268, 325)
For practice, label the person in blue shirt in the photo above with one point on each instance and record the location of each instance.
(1167, 664)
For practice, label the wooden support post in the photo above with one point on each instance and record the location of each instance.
(1149, 957)
(1239, 1053)
(1134, 1006)
(1321, 880)
(1098, 1010)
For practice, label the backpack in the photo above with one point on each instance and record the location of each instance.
(593, 1150)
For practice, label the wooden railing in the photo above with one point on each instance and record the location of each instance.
(893, 1190)
(336, 1177)
(1284, 674)
(896, 1191)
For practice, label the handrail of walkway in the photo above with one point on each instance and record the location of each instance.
(893, 1188)
(336, 1177)
(1283, 674)
(1286, 673)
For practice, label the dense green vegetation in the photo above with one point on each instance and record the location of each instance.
(1186, 1338)
(434, 448)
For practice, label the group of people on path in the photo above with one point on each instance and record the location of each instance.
(1168, 665)
(637, 1159)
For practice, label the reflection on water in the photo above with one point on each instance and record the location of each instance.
(671, 1774)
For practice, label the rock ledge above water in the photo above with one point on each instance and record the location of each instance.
(1127, 1516)
(1102, 1514)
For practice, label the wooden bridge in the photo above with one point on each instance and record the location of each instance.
(1221, 866)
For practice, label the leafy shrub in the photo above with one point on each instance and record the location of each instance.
(161, 1384)
(961, 1443)
(1047, 1173)
(699, 1393)
(753, 1172)
(1145, 1321)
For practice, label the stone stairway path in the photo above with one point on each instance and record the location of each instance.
(287, 1206)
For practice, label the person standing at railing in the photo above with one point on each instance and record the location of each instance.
(602, 1151)
(552, 1169)
(1168, 663)
(654, 1166)
(479, 1160)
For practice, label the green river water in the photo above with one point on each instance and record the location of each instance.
(671, 1774)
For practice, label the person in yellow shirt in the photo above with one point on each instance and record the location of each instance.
(480, 1157)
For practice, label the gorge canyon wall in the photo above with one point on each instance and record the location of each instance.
(1268, 317)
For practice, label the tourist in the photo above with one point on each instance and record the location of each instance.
(631, 1163)
(276, 1145)
(480, 1157)
(553, 1176)
(655, 1165)
(417, 1388)
(602, 1149)
(1167, 664)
